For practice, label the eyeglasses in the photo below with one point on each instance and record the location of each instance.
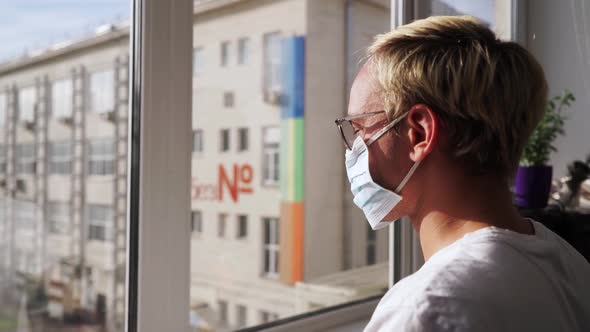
(347, 130)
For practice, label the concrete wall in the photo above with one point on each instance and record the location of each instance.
(559, 36)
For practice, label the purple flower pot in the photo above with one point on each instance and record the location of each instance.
(532, 185)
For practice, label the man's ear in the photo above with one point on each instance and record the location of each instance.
(422, 130)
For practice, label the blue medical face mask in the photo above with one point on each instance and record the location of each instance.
(375, 201)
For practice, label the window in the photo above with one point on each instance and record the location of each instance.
(197, 222)
(272, 62)
(271, 246)
(266, 317)
(61, 97)
(26, 104)
(224, 54)
(228, 99)
(198, 140)
(222, 311)
(101, 156)
(221, 224)
(243, 51)
(243, 139)
(100, 222)
(2, 159)
(3, 102)
(25, 159)
(58, 216)
(198, 60)
(270, 156)
(241, 314)
(242, 226)
(60, 158)
(371, 246)
(102, 91)
(224, 137)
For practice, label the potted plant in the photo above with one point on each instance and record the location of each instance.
(533, 178)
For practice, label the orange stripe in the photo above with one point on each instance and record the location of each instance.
(297, 233)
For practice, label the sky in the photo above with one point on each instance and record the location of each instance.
(32, 24)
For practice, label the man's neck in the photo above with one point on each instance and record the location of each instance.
(443, 221)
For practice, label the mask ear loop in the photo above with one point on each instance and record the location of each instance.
(407, 177)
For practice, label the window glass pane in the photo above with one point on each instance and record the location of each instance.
(495, 13)
(61, 94)
(62, 229)
(102, 91)
(3, 104)
(270, 180)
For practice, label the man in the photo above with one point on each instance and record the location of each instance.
(439, 116)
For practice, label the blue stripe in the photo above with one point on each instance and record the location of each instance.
(293, 78)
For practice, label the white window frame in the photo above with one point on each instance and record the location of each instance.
(159, 253)
(271, 150)
(99, 225)
(272, 61)
(102, 91)
(101, 163)
(271, 248)
(158, 258)
(60, 162)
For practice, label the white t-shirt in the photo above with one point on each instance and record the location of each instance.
(493, 280)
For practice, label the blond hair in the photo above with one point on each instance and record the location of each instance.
(489, 94)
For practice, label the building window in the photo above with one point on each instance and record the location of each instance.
(197, 222)
(222, 310)
(25, 159)
(26, 104)
(224, 137)
(371, 246)
(228, 99)
(198, 140)
(243, 139)
(271, 246)
(270, 156)
(100, 222)
(241, 316)
(224, 54)
(58, 215)
(101, 157)
(266, 317)
(60, 158)
(198, 60)
(221, 224)
(242, 226)
(102, 91)
(243, 51)
(272, 62)
(3, 104)
(61, 98)
(3, 159)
